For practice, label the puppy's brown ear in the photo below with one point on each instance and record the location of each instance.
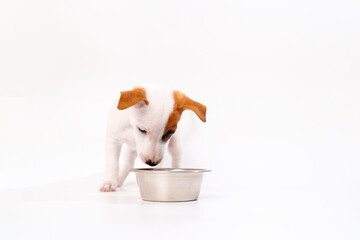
(183, 102)
(130, 98)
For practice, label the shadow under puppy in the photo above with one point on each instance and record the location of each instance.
(145, 119)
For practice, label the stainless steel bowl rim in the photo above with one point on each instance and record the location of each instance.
(169, 170)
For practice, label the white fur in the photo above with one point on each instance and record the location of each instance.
(123, 129)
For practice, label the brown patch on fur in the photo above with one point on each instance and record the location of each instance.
(182, 102)
(130, 98)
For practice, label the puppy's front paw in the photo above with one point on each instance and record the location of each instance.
(108, 186)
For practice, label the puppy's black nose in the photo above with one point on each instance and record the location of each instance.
(151, 163)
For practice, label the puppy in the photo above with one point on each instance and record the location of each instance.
(145, 120)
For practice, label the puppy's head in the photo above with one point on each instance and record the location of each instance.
(154, 116)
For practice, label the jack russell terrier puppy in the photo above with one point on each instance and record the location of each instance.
(145, 120)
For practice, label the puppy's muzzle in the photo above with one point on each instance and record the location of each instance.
(151, 163)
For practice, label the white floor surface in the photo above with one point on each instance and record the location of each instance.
(76, 210)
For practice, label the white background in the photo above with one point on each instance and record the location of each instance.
(281, 81)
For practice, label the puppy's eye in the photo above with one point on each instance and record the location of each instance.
(167, 135)
(142, 131)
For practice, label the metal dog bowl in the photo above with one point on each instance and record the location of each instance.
(169, 184)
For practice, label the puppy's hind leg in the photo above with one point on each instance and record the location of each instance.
(126, 164)
(175, 150)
